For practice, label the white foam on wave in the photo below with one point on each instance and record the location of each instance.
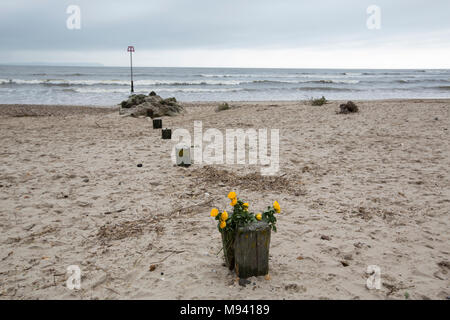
(118, 82)
(62, 82)
(283, 75)
(307, 81)
(147, 90)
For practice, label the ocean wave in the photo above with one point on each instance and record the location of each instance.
(122, 85)
(353, 74)
(146, 91)
(282, 75)
(62, 82)
(216, 75)
(76, 74)
(188, 82)
(326, 89)
(403, 81)
(438, 71)
(387, 73)
(66, 83)
(200, 90)
(306, 81)
(337, 81)
(420, 80)
(248, 75)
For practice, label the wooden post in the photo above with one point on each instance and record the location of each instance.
(183, 155)
(251, 250)
(166, 134)
(157, 123)
(228, 248)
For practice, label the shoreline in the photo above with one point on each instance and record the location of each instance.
(6, 108)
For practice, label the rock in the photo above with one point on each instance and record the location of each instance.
(348, 107)
(149, 106)
(152, 267)
(86, 180)
(323, 237)
(292, 286)
(29, 227)
(358, 245)
(133, 100)
(139, 165)
(222, 107)
(244, 282)
(348, 256)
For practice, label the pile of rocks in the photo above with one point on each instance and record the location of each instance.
(151, 106)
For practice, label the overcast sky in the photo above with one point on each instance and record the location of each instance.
(229, 33)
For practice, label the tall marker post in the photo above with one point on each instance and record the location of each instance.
(131, 50)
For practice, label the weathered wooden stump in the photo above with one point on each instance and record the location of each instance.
(251, 250)
(183, 156)
(228, 248)
(167, 134)
(157, 123)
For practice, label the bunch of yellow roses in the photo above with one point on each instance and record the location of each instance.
(241, 216)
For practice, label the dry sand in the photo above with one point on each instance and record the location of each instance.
(375, 184)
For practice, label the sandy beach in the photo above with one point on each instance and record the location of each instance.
(371, 188)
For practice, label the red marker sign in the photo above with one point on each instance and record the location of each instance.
(130, 49)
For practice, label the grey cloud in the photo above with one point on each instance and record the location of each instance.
(172, 24)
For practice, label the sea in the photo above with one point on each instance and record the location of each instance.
(108, 86)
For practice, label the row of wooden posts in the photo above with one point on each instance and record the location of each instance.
(166, 133)
(247, 250)
(182, 153)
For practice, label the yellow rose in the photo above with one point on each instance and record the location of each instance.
(214, 212)
(223, 224)
(233, 202)
(224, 216)
(245, 205)
(232, 195)
(276, 206)
(259, 216)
